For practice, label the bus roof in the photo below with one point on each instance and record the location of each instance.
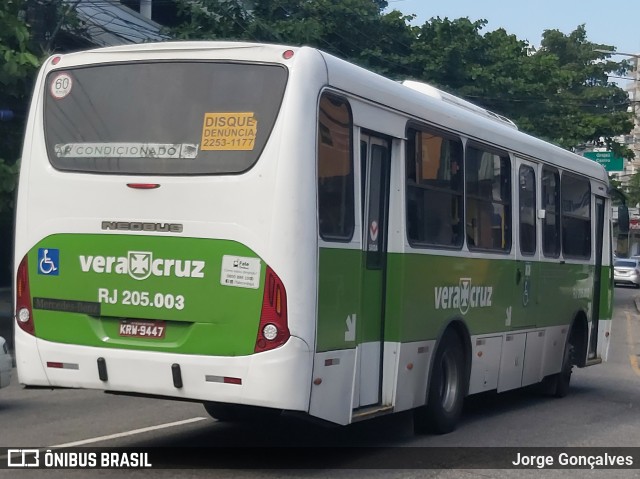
(447, 111)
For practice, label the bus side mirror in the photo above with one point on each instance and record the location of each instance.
(623, 219)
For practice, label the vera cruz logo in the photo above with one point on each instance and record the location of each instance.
(463, 296)
(141, 264)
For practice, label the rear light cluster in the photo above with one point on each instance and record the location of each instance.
(24, 313)
(273, 330)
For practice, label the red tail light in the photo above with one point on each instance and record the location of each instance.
(24, 313)
(273, 330)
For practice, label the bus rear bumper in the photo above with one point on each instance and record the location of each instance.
(279, 378)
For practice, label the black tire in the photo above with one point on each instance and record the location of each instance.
(557, 385)
(563, 378)
(446, 390)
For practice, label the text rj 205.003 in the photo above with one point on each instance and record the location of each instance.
(140, 298)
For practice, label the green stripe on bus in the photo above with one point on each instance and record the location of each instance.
(424, 292)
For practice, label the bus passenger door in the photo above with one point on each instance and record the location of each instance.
(374, 163)
(525, 278)
(523, 365)
(594, 348)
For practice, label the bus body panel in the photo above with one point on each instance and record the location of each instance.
(63, 212)
(528, 322)
(274, 381)
(442, 113)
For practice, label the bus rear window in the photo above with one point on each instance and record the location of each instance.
(165, 118)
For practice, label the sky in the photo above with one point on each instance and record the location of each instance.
(612, 22)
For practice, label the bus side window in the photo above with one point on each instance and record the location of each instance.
(434, 189)
(527, 200)
(576, 216)
(551, 204)
(335, 170)
(488, 210)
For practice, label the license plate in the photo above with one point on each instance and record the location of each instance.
(142, 329)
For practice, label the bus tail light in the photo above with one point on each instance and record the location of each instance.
(273, 330)
(24, 313)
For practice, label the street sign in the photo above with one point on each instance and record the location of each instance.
(606, 159)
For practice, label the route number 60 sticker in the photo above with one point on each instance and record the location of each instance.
(61, 85)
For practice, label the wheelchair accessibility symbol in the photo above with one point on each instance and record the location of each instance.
(48, 261)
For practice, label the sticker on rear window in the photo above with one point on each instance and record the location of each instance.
(61, 85)
(127, 150)
(240, 272)
(229, 131)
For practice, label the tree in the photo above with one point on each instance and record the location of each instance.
(211, 19)
(18, 64)
(584, 106)
(561, 92)
(17, 67)
(355, 30)
(28, 31)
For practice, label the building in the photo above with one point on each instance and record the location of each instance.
(113, 23)
(80, 24)
(632, 140)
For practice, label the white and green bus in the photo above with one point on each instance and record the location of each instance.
(262, 227)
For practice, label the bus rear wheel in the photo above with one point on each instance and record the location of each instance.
(557, 385)
(446, 391)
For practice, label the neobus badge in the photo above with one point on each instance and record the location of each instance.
(139, 226)
(141, 264)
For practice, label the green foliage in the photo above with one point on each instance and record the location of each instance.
(211, 19)
(18, 64)
(583, 106)
(355, 30)
(8, 181)
(561, 92)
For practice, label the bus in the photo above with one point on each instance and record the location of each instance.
(266, 228)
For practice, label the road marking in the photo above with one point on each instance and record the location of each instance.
(130, 433)
(633, 357)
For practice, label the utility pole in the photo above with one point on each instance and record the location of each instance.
(634, 97)
(629, 242)
(145, 8)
